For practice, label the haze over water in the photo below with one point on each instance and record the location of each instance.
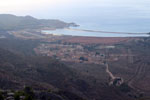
(105, 15)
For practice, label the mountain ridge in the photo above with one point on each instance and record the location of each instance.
(13, 22)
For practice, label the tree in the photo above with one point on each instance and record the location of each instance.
(83, 59)
(1, 96)
(28, 97)
(17, 96)
(28, 90)
(29, 93)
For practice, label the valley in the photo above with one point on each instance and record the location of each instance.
(63, 67)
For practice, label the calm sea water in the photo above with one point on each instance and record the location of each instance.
(132, 25)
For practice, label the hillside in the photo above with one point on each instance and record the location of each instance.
(71, 68)
(18, 69)
(12, 22)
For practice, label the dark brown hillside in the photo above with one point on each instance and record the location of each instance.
(71, 68)
(43, 72)
(18, 46)
(20, 66)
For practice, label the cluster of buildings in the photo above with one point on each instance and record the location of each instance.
(71, 53)
(82, 53)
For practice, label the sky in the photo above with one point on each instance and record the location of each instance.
(125, 14)
(43, 6)
(52, 8)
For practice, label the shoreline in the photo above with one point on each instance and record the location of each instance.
(98, 31)
(91, 33)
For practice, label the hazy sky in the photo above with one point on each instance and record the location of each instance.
(66, 8)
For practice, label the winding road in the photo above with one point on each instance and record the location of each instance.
(109, 73)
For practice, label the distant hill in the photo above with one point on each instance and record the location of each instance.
(12, 22)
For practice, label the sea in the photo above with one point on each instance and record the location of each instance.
(138, 26)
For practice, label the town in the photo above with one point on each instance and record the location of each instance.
(80, 53)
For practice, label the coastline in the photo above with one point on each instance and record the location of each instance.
(90, 33)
